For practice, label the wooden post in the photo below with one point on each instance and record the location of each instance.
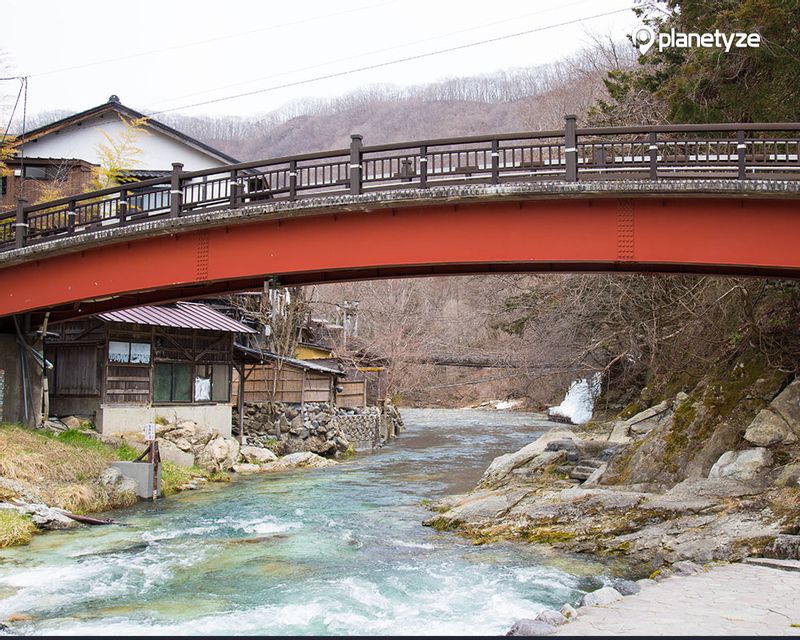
(741, 149)
(71, 217)
(495, 161)
(355, 164)
(21, 225)
(156, 459)
(234, 190)
(293, 180)
(240, 404)
(175, 193)
(122, 212)
(571, 148)
(653, 150)
(303, 389)
(423, 167)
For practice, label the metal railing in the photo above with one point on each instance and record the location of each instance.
(663, 152)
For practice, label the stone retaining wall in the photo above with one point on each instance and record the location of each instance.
(319, 427)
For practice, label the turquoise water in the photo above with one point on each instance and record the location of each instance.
(331, 551)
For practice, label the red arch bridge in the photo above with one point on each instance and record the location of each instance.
(719, 199)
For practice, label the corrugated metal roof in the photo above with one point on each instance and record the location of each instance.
(303, 364)
(183, 315)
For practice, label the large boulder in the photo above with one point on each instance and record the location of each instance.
(501, 466)
(779, 422)
(605, 595)
(300, 460)
(256, 455)
(746, 466)
(246, 467)
(528, 627)
(114, 479)
(171, 452)
(42, 516)
(220, 454)
(554, 618)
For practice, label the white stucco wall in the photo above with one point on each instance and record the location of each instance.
(159, 151)
(131, 419)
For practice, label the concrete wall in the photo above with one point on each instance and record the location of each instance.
(131, 419)
(142, 473)
(81, 407)
(12, 399)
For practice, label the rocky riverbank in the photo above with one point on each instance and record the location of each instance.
(724, 599)
(712, 474)
(46, 474)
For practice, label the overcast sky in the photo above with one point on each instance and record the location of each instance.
(166, 54)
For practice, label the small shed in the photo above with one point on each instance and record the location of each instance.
(272, 378)
(125, 368)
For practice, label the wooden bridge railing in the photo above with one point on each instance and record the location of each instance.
(663, 152)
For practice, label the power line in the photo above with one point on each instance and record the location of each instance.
(328, 63)
(216, 39)
(389, 62)
(16, 103)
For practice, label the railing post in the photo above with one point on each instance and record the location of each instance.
(653, 150)
(423, 167)
(71, 217)
(741, 158)
(175, 192)
(234, 190)
(21, 225)
(122, 211)
(293, 180)
(495, 161)
(355, 164)
(571, 148)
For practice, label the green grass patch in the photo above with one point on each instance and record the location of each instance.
(15, 528)
(127, 453)
(78, 439)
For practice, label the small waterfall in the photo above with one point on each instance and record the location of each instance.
(578, 402)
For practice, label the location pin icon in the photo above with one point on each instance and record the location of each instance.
(644, 37)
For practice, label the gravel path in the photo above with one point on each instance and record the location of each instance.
(733, 599)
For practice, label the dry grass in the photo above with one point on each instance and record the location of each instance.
(33, 457)
(15, 528)
(62, 469)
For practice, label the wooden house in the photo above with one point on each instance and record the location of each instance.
(122, 369)
(63, 154)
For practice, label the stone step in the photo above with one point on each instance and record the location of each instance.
(784, 565)
(591, 462)
(581, 473)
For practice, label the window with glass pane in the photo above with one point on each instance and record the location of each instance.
(119, 352)
(128, 352)
(220, 383)
(172, 382)
(140, 353)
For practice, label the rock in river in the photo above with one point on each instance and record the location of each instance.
(528, 627)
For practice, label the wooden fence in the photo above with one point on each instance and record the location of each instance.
(293, 384)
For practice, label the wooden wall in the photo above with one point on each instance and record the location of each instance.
(293, 384)
(354, 394)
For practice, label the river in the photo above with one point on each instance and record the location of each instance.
(331, 551)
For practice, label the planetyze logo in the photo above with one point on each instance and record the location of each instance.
(645, 37)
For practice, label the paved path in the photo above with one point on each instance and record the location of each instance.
(733, 599)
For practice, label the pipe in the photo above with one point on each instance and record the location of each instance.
(23, 360)
(45, 400)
